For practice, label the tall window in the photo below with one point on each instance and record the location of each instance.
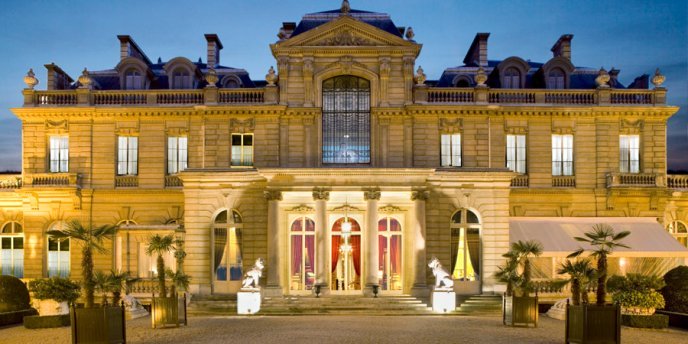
(227, 257)
(59, 153)
(512, 78)
(148, 265)
(465, 246)
(133, 80)
(58, 254)
(555, 79)
(389, 250)
(181, 79)
(450, 150)
(127, 155)
(12, 250)
(562, 155)
(302, 262)
(346, 120)
(242, 149)
(629, 153)
(177, 153)
(680, 231)
(516, 153)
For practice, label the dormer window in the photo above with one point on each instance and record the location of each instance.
(181, 79)
(556, 79)
(512, 78)
(133, 80)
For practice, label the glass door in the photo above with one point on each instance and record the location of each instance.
(389, 239)
(302, 247)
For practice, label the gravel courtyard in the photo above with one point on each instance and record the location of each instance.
(343, 329)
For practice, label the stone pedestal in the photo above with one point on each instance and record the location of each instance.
(443, 301)
(135, 313)
(248, 301)
(558, 311)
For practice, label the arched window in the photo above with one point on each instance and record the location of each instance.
(389, 241)
(556, 79)
(512, 78)
(227, 255)
(181, 79)
(346, 120)
(680, 231)
(462, 81)
(12, 250)
(231, 82)
(465, 246)
(346, 256)
(133, 80)
(302, 262)
(58, 253)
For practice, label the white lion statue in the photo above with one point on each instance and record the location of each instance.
(442, 278)
(252, 278)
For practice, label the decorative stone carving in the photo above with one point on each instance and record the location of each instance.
(385, 67)
(282, 34)
(239, 126)
(370, 195)
(443, 280)
(85, 80)
(448, 125)
(345, 209)
(30, 79)
(308, 66)
(420, 76)
(133, 308)
(389, 209)
(658, 79)
(252, 278)
(346, 38)
(211, 78)
(346, 7)
(302, 209)
(602, 79)
(481, 77)
(420, 195)
(57, 126)
(321, 195)
(346, 62)
(410, 34)
(271, 77)
(272, 195)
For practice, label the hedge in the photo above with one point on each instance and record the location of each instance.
(13, 295)
(47, 321)
(15, 317)
(645, 321)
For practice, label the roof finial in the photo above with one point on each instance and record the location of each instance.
(346, 8)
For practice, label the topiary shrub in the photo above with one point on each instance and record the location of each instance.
(636, 293)
(46, 321)
(645, 321)
(676, 290)
(56, 288)
(13, 295)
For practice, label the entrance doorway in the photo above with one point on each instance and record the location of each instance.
(346, 255)
(302, 246)
(389, 239)
(227, 256)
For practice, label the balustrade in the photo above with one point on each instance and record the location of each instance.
(520, 181)
(241, 96)
(55, 98)
(633, 179)
(564, 181)
(451, 95)
(173, 181)
(511, 96)
(10, 181)
(126, 181)
(632, 97)
(677, 181)
(52, 179)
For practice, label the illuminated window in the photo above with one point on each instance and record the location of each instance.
(127, 155)
(227, 255)
(59, 153)
(680, 231)
(346, 120)
(242, 149)
(562, 155)
(177, 153)
(302, 258)
(148, 265)
(389, 241)
(629, 153)
(12, 250)
(516, 153)
(58, 254)
(465, 246)
(450, 150)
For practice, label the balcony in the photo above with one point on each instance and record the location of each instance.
(520, 181)
(70, 180)
(677, 181)
(564, 181)
(10, 181)
(634, 180)
(126, 181)
(173, 182)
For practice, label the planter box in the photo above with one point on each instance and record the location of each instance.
(676, 319)
(593, 324)
(98, 325)
(52, 307)
(520, 311)
(168, 311)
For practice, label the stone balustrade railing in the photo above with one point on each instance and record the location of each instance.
(484, 95)
(51, 180)
(173, 181)
(520, 181)
(677, 181)
(145, 286)
(634, 180)
(564, 181)
(10, 181)
(126, 181)
(207, 96)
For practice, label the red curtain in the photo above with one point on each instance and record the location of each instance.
(310, 262)
(395, 253)
(296, 255)
(356, 253)
(335, 251)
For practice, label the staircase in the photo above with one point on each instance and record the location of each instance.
(484, 304)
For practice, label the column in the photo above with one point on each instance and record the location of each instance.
(372, 248)
(273, 287)
(322, 242)
(420, 287)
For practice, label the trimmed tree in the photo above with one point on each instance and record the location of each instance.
(524, 250)
(509, 272)
(580, 273)
(160, 245)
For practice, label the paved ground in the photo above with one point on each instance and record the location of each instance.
(343, 329)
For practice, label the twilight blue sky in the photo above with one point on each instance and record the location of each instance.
(635, 36)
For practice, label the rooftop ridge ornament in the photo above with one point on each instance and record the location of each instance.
(271, 77)
(420, 76)
(481, 77)
(658, 78)
(346, 8)
(85, 80)
(211, 78)
(602, 79)
(30, 79)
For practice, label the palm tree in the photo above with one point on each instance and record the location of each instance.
(509, 272)
(580, 273)
(91, 239)
(118, 280)
(180, 281)
(524, 250)
(604, 240)
(103, 284)
(160, 245)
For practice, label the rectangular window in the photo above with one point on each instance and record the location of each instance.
(134, 82)
(562, 155)
(127, 155)
(59, 153)
(12, 256)
(516, 153)
(451, 150)
(58, 257)
(242, 149)
(629, 150)
(177, 153)
(148, 265)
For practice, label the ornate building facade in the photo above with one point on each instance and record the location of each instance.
(345, 168)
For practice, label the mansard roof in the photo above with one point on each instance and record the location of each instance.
(381, 21)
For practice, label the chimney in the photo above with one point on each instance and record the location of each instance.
(214, 47)
(127, 47)
(477, 53)
(57, 78)
(563, 46)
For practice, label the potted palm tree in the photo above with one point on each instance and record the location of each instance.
(520, 308)
(164, 308)
(580, 274)
(600, 323)
(92, 324)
